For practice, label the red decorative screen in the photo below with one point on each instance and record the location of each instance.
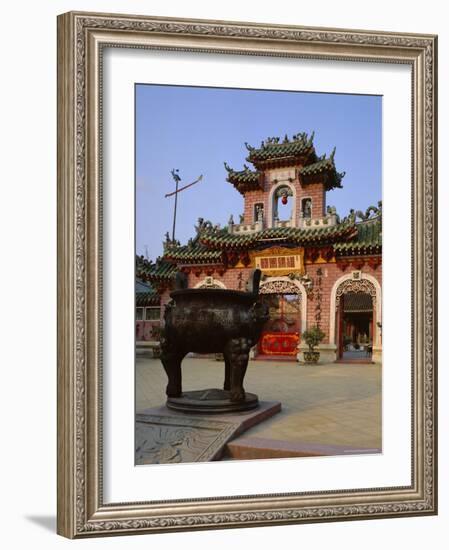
(279, 343)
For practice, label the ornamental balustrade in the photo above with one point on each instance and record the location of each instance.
(283, 223)
(311, 223)
(304, 223)
(245, 228)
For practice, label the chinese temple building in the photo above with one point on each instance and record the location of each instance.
(318, 269)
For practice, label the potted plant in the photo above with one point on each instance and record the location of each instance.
(312, 337)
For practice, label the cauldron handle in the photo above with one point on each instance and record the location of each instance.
(181, 281)
(254, 281)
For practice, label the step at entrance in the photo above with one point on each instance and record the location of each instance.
(248, 448)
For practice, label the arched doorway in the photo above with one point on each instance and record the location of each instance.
(286, 303)
(356, 326)
(355, 313)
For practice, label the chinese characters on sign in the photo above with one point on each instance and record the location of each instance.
(280, 261)
(318, 296)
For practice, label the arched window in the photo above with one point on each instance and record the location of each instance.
(282, 205)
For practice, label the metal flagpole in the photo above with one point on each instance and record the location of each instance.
(177, 179)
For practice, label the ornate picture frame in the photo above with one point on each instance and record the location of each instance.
(82, 38)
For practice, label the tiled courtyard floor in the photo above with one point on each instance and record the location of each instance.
(330, 404)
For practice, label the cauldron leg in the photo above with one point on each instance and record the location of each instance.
(227, 379)
(238, 353)
(172, 366)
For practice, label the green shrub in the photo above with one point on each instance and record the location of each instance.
(313, 336)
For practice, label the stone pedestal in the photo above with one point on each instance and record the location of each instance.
(211, 401)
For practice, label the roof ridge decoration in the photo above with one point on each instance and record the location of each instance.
(206, 225)
(367, 215)
(244, 180)
(169, 243)
(371, 213)
(272, 147)
(246, 169)
(369, 233)
(301, 137)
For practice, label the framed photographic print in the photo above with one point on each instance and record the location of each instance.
(247, 274)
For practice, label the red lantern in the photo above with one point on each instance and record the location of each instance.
(284, 199)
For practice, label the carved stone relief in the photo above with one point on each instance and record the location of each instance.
(168, 440)
(279, 287)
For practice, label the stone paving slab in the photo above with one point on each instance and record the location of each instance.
(329, 404)
(166, 436)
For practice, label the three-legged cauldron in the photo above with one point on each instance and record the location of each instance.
(208, 321)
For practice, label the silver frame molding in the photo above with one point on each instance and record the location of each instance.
(81, 37)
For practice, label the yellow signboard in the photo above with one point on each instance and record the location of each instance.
(279, 261)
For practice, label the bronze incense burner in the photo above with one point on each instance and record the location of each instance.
(212, 321)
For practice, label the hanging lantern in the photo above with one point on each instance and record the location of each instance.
(284, 199)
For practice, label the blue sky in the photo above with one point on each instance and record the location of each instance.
(197, 129)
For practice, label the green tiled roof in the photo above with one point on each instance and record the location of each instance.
(159, 271)
(146, 295)
(274, 148)
(143, 287)
(198, 252)
(213, 246)
(368, 239)
(300, 145)
(244, 180)
(291, 235)
(321, 166)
